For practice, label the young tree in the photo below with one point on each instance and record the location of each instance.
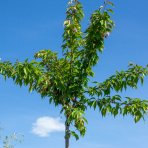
(65, 81)
(9, 141)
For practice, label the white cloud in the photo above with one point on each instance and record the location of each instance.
(46, 125)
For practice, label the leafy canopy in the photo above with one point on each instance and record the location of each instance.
(65, 81)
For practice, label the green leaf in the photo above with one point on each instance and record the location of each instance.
(137, 118)
(110, 3)
(110, 10)
(75, 135)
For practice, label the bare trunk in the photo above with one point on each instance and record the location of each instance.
(67, 134)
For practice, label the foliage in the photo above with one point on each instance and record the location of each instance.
(65, 81)
(10, 141)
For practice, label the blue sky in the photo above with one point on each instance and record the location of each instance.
(30, 25)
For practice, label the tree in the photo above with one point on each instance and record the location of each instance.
(10, 140)
(66, 81)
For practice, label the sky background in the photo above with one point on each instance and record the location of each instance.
(30, 25)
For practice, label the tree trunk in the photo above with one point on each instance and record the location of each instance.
(67, 134)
